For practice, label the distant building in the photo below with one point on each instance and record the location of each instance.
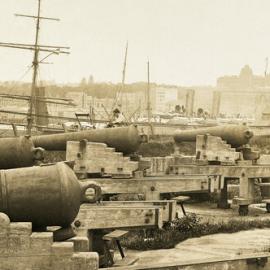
(243, 94)
(163, 99)
(245, 81)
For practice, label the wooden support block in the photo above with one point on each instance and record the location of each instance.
(80, 243)
(168, 206)
(96, 158)
(247, 187)
(213, 149)
(109, 217)
(241, 201)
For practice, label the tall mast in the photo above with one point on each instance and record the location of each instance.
(148, 108)
(124, 66)
(32, 102)
(119, 93)
(124, 77)
(37, 48)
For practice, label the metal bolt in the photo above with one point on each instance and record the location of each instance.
(77, 223)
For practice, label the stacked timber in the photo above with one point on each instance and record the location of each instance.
(92, 159)
(21, 248)
(213, 149)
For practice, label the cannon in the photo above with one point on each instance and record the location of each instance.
(123, 139)
(18, 152)
(48, 195)
(235, 135)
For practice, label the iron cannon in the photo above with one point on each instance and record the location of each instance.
(236, 135)
(123, 139)
(48, 195)
(18, 152)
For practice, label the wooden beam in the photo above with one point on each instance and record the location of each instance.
(168, 206)
(254, 171)
(152, 187)
(108, 217)
(244, 262)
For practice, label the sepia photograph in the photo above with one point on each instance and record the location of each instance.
(134, 135)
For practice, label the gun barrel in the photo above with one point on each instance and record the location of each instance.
(236, 135)
(123, 139)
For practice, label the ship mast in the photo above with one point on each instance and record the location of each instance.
(148, 106)
(124, 77)
(32, 101)
(37, 48)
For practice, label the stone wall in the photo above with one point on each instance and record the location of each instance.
(22, 249)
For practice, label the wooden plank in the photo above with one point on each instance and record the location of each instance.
(152, 187)
(115, 235)
(168, 206)
(254, 171)
(105, 217)
(244, 262)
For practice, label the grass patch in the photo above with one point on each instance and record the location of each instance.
(54, 156)
(184, 228)
(156, 149)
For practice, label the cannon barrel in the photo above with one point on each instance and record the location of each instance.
(44, 195)
(123, 139)
(236, 135)
(18, 152)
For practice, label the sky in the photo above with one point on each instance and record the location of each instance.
(187, 42)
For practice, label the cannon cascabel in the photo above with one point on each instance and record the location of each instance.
(18, 152)
(236, 135)
(44, 195)
(123, 139)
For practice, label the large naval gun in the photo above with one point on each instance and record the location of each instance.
(235, 135)
(19, 152)
(123, 139)
(48, 195)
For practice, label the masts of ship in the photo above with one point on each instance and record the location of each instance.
(37, 48)
(148, 106)
(124, 78)
(32, 102)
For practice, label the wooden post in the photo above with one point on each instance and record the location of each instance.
(246, 189)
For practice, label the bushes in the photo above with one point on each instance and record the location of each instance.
(156, 149)
(184, 228)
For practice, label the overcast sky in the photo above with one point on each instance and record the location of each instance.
(188, 42)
